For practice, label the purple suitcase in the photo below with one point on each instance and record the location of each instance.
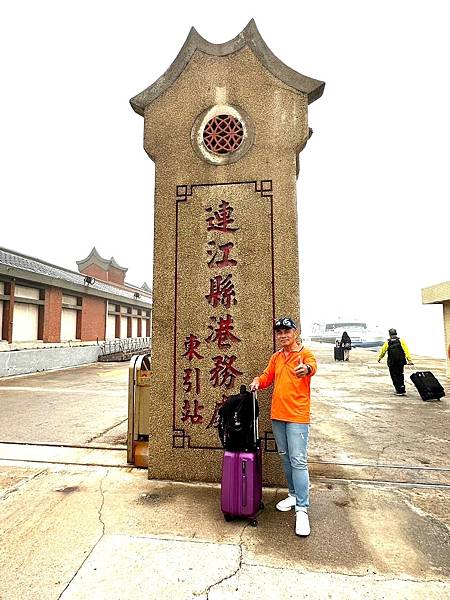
(241, 487)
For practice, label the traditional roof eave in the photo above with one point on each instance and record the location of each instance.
(250, 37)
(95, 258)
(114, 264)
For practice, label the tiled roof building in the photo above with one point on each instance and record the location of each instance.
(43, 302)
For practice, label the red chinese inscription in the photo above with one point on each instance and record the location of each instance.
(223, 373)
(222, 334)
(191, 343)
(225, 261)
(214, 422)
(187, 380)
(194, 417)
(221, 291)
(220, 220)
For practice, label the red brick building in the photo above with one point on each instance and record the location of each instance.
(50, 304)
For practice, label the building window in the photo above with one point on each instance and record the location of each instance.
(70, 316)
(26, 314)
(111, 327)
(134, 327)
(123, 327)
(70, 300)
(31, 293)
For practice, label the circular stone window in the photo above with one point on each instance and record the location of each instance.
(222, 134)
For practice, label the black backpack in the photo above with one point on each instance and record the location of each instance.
(236, 422)
(396, 354)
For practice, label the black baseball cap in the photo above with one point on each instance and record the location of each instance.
(285, 323)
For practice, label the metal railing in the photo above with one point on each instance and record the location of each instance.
(126, 345)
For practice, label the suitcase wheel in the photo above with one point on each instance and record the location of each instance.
(227, 517)
(253, 522)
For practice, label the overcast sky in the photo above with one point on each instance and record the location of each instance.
(373, 192)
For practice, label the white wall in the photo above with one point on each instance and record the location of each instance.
(68, 324)
(111, 327)
(25, 319)
(72, 300)
(29, 361)
(123, 327)
(26, 292)
(134, 327)
(25, 322)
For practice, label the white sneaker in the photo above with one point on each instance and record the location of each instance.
(286, 504)
(302, 522)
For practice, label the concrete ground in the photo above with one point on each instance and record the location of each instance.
(85, 405)
(71, 529)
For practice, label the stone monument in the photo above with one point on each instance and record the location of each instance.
(224, 126)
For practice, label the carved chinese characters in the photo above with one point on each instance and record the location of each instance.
(215, 313)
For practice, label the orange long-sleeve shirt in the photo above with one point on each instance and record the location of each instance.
(291, 398)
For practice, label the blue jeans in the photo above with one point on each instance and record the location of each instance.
(292, 444)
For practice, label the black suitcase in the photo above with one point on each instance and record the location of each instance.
(427, 385)
(338, 353)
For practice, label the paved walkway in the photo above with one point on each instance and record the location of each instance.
(74, 530)
(86, 405)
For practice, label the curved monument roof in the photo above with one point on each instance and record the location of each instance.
(250, 37)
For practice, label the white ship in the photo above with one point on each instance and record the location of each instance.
(360, 334)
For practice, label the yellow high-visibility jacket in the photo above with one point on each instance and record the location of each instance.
(385, 346)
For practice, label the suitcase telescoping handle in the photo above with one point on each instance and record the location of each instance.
(255, 418)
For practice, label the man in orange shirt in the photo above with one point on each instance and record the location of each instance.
(290, 370)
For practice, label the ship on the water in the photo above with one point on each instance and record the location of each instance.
(361, 335)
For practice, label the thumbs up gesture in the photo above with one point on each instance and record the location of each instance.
(301, 369)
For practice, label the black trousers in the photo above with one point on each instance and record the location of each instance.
(397, 376)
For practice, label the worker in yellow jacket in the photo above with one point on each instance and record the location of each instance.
(397, 357)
